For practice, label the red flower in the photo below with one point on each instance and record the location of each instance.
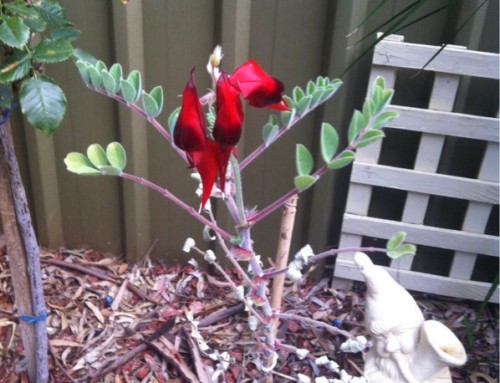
(206, 163)
(259, 88)
(190, 130)
(229, 112)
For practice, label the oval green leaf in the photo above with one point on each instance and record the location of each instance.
(79, 164)
(329, 140)
(345, 158)
(304, 182)
(14, 32)
(116, 155)
(151, 108)
(52, 51)
(15, 67)
(406, 249)
(396, 240)
(110, 85)
(303, 160)
(97, 155)
(370, 137)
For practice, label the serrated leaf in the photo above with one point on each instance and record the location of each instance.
(42, 103)
(52, 51)
(302, 106)
(52, 13)
(151, 108)
(384, 118)
(110, 85)
(269, 131)
(298, 94)
(14, 32)
(15, 67)
(329, 140)
(36, 25)
(172, 119)
(22, 9)
(303, 160)
(95, 77)
(79, 164)
(97, 155)
(116, 155)
(355, 126)
(370, 137)
(304, 182)
(6, 96)
(66, 32)
(396, 240)
(406, 249)
(345, 158)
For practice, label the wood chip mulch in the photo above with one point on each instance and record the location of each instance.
(109, 321)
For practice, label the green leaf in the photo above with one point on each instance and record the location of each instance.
(320, 81)
(302, 106)
(386, 99)
(110, 85)
(79, 164)
(86, 57)
(15, 67)
(286, 117)
(110, 170)
(97, 155)
(67, 33)
(303, 160)
(396, 240)
(383, 119)
(355, 126)
(289, 101)
(42, 103)
(298, 94)
(368, 110)
(6, 96)
(172, 119)
(52, 51)
(52, 13)
(304, 182)
(329, 140)
(100, 66)
(132, 90)
(95, 77)
(406, 249)
(14, 32)
(83, 68)
(22, 9)
(330, 90)
(345, 158)
(370, 137)
(311, 87)
(116, 155)
(117, 72)
(269, 131)
(150, 105)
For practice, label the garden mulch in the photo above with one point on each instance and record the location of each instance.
(109, 321)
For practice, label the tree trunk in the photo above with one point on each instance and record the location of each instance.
(24, 261)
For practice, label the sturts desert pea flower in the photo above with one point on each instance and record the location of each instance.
(190, 134)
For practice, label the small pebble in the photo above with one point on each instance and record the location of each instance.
(337, 322)
(108, 300)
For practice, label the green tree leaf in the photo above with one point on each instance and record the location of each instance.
(304, 160)
(86, 57)
(97, 155)
(304, 182)
(329, 141)
(67, 33)
(406, 249)
(79, 164)
(52, 51)
(396, 240)
(43, 103)
(14, 32)
(345, 158)
(116, 155)
(370, 137)
(15, 67)
(52, 13)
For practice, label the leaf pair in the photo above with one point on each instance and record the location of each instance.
(396, 247)
(111, 81)
(98, 161)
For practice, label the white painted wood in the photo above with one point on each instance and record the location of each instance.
(426, 282)
(449, 124)
(450, 60)
(423, 235)
(423, 182)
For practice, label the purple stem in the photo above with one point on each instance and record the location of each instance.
(328, 253)
(178, 202)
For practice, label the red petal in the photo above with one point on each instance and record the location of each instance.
(190, 130)
(229, 116)
(206, 163)
(223, 159)
(256, 86)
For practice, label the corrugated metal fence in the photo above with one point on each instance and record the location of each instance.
(295, 40)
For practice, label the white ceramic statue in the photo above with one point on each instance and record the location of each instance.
(406, 349)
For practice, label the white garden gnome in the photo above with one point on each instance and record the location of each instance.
(406, 349)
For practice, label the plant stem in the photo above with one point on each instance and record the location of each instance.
(313, 322)
(328, 253)
(166, 193)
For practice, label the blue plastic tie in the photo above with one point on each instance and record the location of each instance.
(33, 319)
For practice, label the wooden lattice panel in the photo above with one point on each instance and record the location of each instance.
(425, 183)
